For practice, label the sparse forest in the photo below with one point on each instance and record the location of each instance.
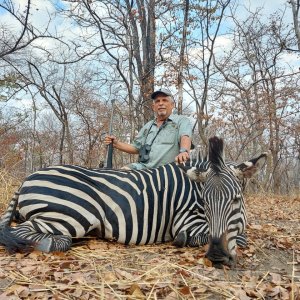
(62, 63)
(234, 71)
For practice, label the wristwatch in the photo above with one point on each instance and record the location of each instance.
(182, 150)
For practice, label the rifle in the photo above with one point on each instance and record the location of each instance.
(109, 152)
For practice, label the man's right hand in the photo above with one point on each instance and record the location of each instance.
(110, 139)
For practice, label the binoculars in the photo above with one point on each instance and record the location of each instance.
(144, 153)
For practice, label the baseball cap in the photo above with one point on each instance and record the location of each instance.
(161, 91)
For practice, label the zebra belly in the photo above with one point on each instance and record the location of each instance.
(58, 216)
(123, 239)
(135, 229)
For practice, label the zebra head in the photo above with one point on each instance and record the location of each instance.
(222, 195)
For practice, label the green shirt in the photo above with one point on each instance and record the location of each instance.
(166, 144)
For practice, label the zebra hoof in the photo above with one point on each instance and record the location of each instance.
(45, 245)
(180, 240)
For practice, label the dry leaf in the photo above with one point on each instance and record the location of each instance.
(171, 296)
(183, 273)
(123, 274)
(207, 262)
(5, 283)
(201, 290)
(109, 277)
(276, 278)
(269, 228)
(77, 293)
(255, 226)
(279, 291)
(58, 275)
(136, 292)
(22, 292)
(241, 295)
(4, 296)
(62, 287)
(185, 290)
(36, 287)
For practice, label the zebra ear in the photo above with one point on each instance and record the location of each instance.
(251, 167)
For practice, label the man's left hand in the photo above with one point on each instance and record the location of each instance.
(182, 157)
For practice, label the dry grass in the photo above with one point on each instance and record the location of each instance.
(268, 269)
(8, 185)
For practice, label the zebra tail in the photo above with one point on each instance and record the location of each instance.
(10, 241)
(7, 217)
(13, 243)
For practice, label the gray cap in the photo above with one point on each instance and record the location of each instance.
(161, 91)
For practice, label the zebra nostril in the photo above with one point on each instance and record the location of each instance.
(219, 256)
(219, 262)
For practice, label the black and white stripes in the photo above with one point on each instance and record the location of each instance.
(224, 206)
(131, 207)
(181, 203)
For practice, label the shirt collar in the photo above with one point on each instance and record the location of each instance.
(170, 118)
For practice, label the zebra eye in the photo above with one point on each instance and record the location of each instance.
(236, 200)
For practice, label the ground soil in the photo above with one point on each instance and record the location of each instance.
(269, 268)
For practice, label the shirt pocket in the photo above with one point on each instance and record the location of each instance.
(169, 136)
(150, 137)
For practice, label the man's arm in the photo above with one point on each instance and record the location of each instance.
(120, 145)
(185, 147)
(185, 143)
(185, 132)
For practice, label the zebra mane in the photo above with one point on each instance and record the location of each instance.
(216, 152)
(197, 155)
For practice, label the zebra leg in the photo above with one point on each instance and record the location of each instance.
(60, 243)
(183, 239)
(25, 238)
(45, 242)
(18, 218)
(241, 240)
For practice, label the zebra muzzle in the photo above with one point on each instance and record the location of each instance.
(218, 253)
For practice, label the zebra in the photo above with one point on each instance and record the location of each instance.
(194, 203)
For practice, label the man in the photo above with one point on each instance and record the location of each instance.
(163, 140)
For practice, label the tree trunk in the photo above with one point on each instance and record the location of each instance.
(181, 57)
(295, 10)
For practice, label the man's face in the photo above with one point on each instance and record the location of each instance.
(163, 106)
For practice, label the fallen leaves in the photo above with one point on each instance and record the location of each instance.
(135, 292)
(185, 290)
(207, 262)
(269, 268)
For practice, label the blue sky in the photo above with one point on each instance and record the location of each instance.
(41, 9)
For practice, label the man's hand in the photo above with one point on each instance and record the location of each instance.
(182, 157)
(120, 145)
(110, 139)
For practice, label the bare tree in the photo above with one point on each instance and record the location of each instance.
(11, 41)
(50, 86)
(93, 122)
(182, 60)
(295, 10)
(123, 49)
(200, 72)
(260, 97)
(125, 34)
